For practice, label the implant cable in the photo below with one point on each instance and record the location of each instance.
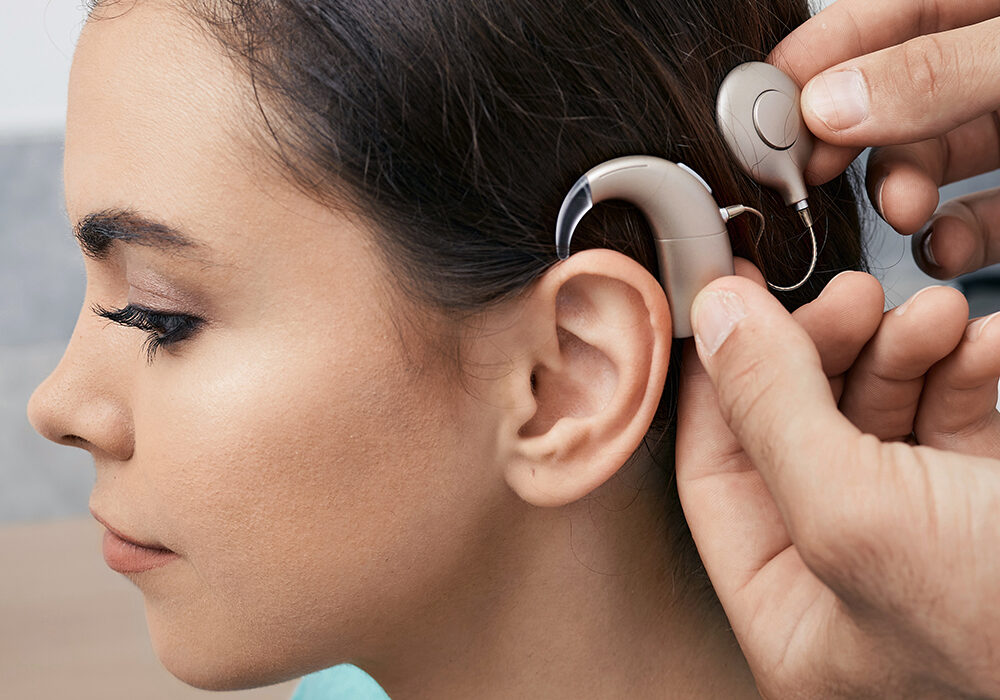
(804, 214)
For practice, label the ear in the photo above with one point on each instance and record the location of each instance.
(595, 335)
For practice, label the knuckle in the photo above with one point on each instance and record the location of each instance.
(927, 66)
(962, 429)
(745, 392)
(928, 19)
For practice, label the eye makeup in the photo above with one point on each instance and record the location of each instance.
(165, 299)
(162, 329)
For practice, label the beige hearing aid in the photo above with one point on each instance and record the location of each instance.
(758, 114)
(692, 243)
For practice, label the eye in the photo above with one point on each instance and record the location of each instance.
(162, 329)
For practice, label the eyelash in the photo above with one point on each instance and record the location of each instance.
(162, 329)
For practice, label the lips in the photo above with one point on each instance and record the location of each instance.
(128, 558)
(127, 555)
(131, 540)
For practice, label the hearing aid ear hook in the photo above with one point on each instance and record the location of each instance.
(689, 229)
(760, 119)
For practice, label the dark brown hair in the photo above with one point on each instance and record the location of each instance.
(457, 126)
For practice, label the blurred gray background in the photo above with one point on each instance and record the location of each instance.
(41, 273)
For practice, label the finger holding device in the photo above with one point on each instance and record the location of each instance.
(921, 84)
(847, 566)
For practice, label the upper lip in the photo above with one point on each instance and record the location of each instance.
(125, 537)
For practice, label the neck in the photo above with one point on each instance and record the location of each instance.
(580, 601)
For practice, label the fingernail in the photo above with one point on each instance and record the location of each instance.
(839, 99)
(976, 328)
(715, 316)
(902, 308)
(925, 248)
(878, 197)
(830, 283)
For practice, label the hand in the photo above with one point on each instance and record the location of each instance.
(938, 388)
(926, 74)
(848, 566)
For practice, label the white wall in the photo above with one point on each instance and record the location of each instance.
(36, 46)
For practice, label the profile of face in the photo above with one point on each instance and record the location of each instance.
(268, 407)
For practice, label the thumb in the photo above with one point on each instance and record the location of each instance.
(913, 91)
(774, 395)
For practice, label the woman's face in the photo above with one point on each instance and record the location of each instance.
(322, 478)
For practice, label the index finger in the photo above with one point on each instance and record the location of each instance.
(851, 28)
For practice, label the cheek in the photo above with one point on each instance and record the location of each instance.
(306, 484)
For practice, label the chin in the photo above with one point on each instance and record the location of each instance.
(216, 659)
(216, 674)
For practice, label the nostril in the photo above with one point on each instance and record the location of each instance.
(73, 441)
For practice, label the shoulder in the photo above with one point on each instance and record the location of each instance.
(343, 682)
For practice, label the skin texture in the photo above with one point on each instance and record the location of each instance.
(336, 491)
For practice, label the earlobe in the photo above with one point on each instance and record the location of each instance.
(593, 377)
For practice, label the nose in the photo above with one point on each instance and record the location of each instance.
(84, 402)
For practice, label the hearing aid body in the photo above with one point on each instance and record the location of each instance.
(759, 117)
(689, 230)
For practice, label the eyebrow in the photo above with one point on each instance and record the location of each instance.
(96, 232)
